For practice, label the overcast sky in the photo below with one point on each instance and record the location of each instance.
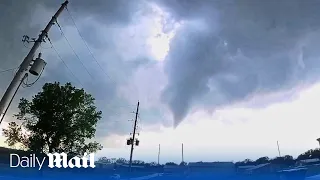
(227, 78)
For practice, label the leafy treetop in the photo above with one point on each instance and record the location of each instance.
(60, 118)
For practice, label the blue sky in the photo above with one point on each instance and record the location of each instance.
(226, 78)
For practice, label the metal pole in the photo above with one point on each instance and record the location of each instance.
(278, 149)
(5, 112)
(159, 155)
(133, 136)
(182, 153)
(26, 62)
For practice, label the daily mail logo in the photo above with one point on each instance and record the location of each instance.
(56, 160)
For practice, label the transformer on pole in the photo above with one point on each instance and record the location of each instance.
(132, 140)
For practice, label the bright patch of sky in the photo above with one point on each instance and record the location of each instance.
(149, 34)
(235, 133)
(163, 30)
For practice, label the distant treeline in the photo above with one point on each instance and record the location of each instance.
(285, 160)
(136, 162)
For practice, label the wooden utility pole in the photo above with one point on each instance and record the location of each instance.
(19, 76)
(132, 140)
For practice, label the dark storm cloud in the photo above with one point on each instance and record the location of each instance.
(91, 36)
(255, 42)
(16, 17)
(105, 11)
(14, 24)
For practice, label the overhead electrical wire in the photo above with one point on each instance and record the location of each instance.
(74, 52)
(64, 63)
(6, 70)
(113, 110)
(77, 56)
(87, 46)
(26, 84)
(53, 47)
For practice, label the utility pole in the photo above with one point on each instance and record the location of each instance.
(133, 140)
(159, 155)
(14, 85)
(182, 153)
(24, 77)
(278, 149)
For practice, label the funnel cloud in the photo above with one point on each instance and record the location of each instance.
(228, 50)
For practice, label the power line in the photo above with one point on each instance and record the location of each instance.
(11, 69)
(26, 84)
(119, 109)
(123, 107)
(86, 44)
(59, 56)
(74, 52)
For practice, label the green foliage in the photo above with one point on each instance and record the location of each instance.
(14, 135)
(246, 162)
(171, 164)
(121, 161)
(310, 154)
(183, 163)
(285, 160)
(138, 162)
(262, 160)
(104, 160)
(60, 118)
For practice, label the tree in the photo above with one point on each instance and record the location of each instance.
(310, 154)
(262, 160)
(104, 160)
(289, 160)
(60, 118)
(246, 162)
(171, 164)
(121, 161)
(284, 160)
(183, 163)
(13, 134)
(138, 162)
(153, 164)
